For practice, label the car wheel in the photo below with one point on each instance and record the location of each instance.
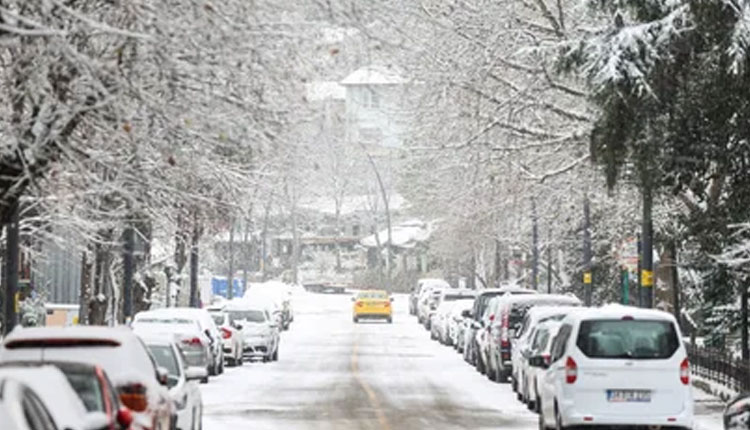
(231, 362)
(390, 320)
(276, 355)
(503, 376)
(355, 319)
(240, 360)
(211, 370)
(541, 419)
(221, 366)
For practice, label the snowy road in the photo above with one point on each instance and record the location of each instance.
(334, 374)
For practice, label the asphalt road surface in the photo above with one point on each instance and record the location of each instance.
(334, 374)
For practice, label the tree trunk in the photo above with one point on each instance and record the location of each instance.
(246, 256)
(11, 269)
(744, 322)
(230, 274)
(675, 282)
(338, 236)
(498, 263)
(295, 246)
(85, 294)
(194, 288)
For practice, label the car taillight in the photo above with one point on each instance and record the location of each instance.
(547, 358)
(387, 304)
(133, 396)
(685, 371)
(194, 341)
(360, 304)
(571, 371)
(225, 333)
(504, 341)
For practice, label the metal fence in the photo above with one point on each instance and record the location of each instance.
(721, 368)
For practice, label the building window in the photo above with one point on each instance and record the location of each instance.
(368, 97)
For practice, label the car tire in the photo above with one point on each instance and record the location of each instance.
(390, 320)
(275, 355)
(231, 362)
(355, 320)
(558, 420)
(212, 370)
(541, 420)
(503, 376)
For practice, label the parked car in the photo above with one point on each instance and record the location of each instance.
(181, 381)
(417, 290)
(521, 343)
(66, 409)
(461, 324)
(21, 408)
(737, 413)
(231, 337)
(372, 304)
(140, 384)
(93, 387)
(278, 296)
(427, 303)
(194, 342)
(443, 315)
(478, 320)
(538, 353)
(454, 322)
(617, 366)
(199, 317)
(259, 328)
(509, 312)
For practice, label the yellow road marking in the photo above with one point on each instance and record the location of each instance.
(371, 395)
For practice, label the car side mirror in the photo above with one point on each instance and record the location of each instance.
(538, 361)
(354, 299)
(162, 375)
(476, 325)
(195, 373)
(238, 326)
(391, 299)
(124, 418)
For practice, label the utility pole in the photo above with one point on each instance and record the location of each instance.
(587, 278)
(11, 270)
(230, 275)
(647, 265)
(128, 263)
(194, 302)
(638, 294)
(534, 248)
(676, 282)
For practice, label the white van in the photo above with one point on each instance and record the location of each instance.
(617, 366)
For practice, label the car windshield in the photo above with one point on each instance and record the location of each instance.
(377, 295)
(630, 339)
(255, 316)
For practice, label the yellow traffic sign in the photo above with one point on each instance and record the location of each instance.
(586, 277)
(647, 278)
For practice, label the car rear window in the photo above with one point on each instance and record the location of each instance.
(630, 339)
(249, 316)
(373, 295)
(454, 297)
(165, 358)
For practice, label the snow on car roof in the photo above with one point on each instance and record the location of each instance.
(540, 312)
(539, 298)
(53, 388)
(95, 333)
(616, 311)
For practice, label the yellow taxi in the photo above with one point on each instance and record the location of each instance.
(373, 304)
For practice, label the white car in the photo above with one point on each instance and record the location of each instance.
(456, 317)
(537, 353)
(617, 366)
(138, 380)
(16, 410)
(523, 337)
(277, 292)
(183, 389)
(260, 329)
(55, 392)
(203, 320)
(231, 337)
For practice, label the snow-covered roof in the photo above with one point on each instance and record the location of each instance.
(373, 75)
(327, 90)
(617, 311)
(403, 235)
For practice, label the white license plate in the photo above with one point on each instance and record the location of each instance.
(629, 396)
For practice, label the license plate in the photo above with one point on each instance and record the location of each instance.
(629, 396)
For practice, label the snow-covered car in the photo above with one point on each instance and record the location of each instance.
(478, 320)
(93, 387)
(21, 408)
(277, 296)
(737, 413)
(617, 366)
(66, 408)
(231, 337)
(195, 344)
(455, 322)
(443, 315)
(509, 312)
(183, 389)
(538, 354)
(260, 330)
(416, 292)
(140, 384)
(210, 334)
(426, 302)
(521, 342)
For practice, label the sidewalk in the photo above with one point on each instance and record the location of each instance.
(708, 411)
